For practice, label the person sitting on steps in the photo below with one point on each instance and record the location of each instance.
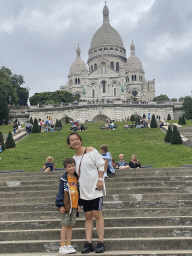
(49, 166)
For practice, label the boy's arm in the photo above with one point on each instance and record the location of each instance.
(108, 156)
(59, 201)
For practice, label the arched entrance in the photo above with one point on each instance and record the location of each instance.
(100, 118)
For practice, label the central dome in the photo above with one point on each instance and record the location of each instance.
(106, 35)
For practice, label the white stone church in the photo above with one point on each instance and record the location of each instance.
(110, 76)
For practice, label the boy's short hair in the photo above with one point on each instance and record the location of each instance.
(73, 133)
(104, 147)
(68, 160)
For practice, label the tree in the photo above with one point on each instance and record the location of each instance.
(2, 141)
(175, 137)
(35, 128)
(180, 120)
(137, 119)
(161, 97)
(183, 120)
(10, 143)
(132, 118)
(153, 122)
(169, 117)
(67, 120)
(134, 98)
(60, 124)
(57, 123)
(168, 134)
(187, 105)
(4, 109)
(23, 95)
(31, 120)
(181, 99)
(174, 99)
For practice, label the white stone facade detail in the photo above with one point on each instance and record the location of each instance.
(110, 75)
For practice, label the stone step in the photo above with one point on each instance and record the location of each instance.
(111, 198)
(110, 232)
(119, 221)
(110, 191)
(37, 185)
(118, 253)
(111, 244)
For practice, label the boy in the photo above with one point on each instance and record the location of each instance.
(108, 160)
(67, 200)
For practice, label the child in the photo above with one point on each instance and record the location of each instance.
(67, 200)
(49, 166)
(108, 160)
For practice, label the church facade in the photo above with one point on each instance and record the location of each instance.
(110, 76)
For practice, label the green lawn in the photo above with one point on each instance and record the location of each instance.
(6, 128)
(188, 122)
(148, 144)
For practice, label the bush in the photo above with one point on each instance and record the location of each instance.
(169, 117)
(168, 135)
(31, 120)
(183, 120)
(57, 123)
(60, 124)
(153, 122)
(175, 137)
(67, 120)
(10, 143)
(35, 128)
(132, 118)
(180, 120)
(2, 141)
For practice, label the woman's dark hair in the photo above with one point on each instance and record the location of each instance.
(73, 133)
(67, 161)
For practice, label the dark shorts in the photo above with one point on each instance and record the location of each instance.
(92, 205)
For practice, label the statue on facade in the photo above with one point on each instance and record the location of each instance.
(122, 88)
(83, 90)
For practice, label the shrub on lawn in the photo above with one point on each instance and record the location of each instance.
(31, 120)
(180, 120)
(10, 143)
(2, 141)
(60, 124)
(57, 123)
(132, 118)
(175, 137)
(183, 120)
(168, 135)
(169, 117)
(35, 128)
(67, 120)
(153, 122)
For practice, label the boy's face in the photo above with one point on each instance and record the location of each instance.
(103, 152)
(121, 156)
(71, 168)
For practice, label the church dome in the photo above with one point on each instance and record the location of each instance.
(106, 35)
(78, 65)
(133, 63)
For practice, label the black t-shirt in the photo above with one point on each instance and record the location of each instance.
(134, 165)
(50, 165)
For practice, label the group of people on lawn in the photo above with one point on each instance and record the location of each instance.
(83, 185)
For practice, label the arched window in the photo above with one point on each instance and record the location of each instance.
(115, 92)
(112, 64)
(95, 66)
(75, 80)
(127, 79)
(78, 80)
(117, 66)
(134, 78)
(103, 85)
(103, 68)
(93, 93)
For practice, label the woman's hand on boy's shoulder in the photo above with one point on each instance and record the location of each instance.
(89, 149)
(62, 209)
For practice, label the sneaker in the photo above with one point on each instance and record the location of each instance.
(87, 248)
(63, 249)
(70, 249)
(100, 248)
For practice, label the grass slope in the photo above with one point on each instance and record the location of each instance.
(148, 144)
(188, 122)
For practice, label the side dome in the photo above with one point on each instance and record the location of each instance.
(133, 63)
(78, 65)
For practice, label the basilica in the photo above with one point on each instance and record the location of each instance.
(110, 76)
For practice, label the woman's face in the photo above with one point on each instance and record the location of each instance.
(75, 142)
(133, 158)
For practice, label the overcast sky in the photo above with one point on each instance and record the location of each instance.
(38, 39)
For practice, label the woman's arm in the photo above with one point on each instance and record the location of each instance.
(45, 167)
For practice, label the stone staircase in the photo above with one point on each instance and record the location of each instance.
(146, 211)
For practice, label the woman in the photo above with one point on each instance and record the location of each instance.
(134, 163)
(90, 169)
